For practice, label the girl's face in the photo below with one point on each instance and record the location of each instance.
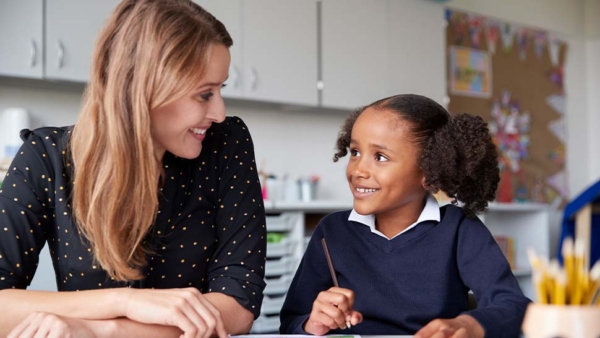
(180, 126)
(383, 171)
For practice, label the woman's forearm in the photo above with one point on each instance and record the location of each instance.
(236, 318)
(123, 327)
(93, 304)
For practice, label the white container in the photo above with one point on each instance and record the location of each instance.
(12, 121)
(264, 324)
(285, 265)
(278, 286)
(280, 223)
(272, 305)
(283, 248)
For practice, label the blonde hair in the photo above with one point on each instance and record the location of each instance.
(149, 54)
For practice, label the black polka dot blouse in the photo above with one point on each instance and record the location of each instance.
(209, 231)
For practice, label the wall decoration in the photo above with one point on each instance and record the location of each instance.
(470, 72)
(524, 103)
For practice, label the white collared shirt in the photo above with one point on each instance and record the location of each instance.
(431, 212)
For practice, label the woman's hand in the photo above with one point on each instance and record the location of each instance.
(463, 326)
(331, 310)
(41, 325)
(186, 309)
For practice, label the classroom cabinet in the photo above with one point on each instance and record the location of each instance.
(316, 53)
(21, 38)
(51, 39)
(354, 52)
(72, 27)
(275, 49)
(230, 14)
(416, 49)
(374, 49)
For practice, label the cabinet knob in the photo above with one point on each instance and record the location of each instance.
(253, 79)
(61, 54)
(234, 75)
(33, 53)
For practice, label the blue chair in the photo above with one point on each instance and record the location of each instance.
(581, 221)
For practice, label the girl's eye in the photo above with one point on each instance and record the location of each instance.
(381, 158)
(354, 152)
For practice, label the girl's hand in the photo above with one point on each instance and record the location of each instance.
(186, 309)
(463, 326)
(41, 325)
(331, 310)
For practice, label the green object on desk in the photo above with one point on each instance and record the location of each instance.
(275, 237)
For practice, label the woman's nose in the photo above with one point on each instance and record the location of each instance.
(217, 110)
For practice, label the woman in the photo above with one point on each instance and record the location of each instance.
(151, 204)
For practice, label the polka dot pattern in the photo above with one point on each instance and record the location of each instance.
(209, 231)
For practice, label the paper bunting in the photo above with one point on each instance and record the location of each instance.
(557, 76)
(554, 49)
(460, 26)
(523, 42)
(557, 155)
(476, 25)
(558, 181)
(557, 102)
(557, 128)
(540, 40)
(492, 34)
(474, 28)
(507, 36)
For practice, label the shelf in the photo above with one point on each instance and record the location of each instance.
(337, 205)
(317, 206)
(522, 272)
(516, 207)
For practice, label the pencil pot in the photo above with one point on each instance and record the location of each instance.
(561, 321)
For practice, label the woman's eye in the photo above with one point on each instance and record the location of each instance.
(354, 152)
(206, 96)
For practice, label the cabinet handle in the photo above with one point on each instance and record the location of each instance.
(33, 54)
(253, 79)
(61, 54)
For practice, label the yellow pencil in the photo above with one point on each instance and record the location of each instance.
(540, 287)
(579, 286)
(568, 262)
(551, 280)
(594, 284)
(560, 288)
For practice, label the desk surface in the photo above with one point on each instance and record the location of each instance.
(307, 336)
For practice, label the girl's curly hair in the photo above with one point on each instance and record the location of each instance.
(457, 155)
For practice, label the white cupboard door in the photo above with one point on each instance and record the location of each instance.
(280, 51)
(72, 27)
(354, 57)
(21, 38)
(417, 48)
(230, 14)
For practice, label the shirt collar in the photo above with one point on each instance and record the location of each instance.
(431, 212)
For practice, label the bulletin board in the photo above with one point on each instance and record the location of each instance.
(513, 77)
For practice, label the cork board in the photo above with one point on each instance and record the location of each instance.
(512, 76)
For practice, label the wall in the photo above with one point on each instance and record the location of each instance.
(293, 141)
(592, 33)
(569, 19)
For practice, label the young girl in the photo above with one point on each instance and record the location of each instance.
(150, 205)
(404, 264)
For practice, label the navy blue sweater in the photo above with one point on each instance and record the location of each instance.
(403, 283)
